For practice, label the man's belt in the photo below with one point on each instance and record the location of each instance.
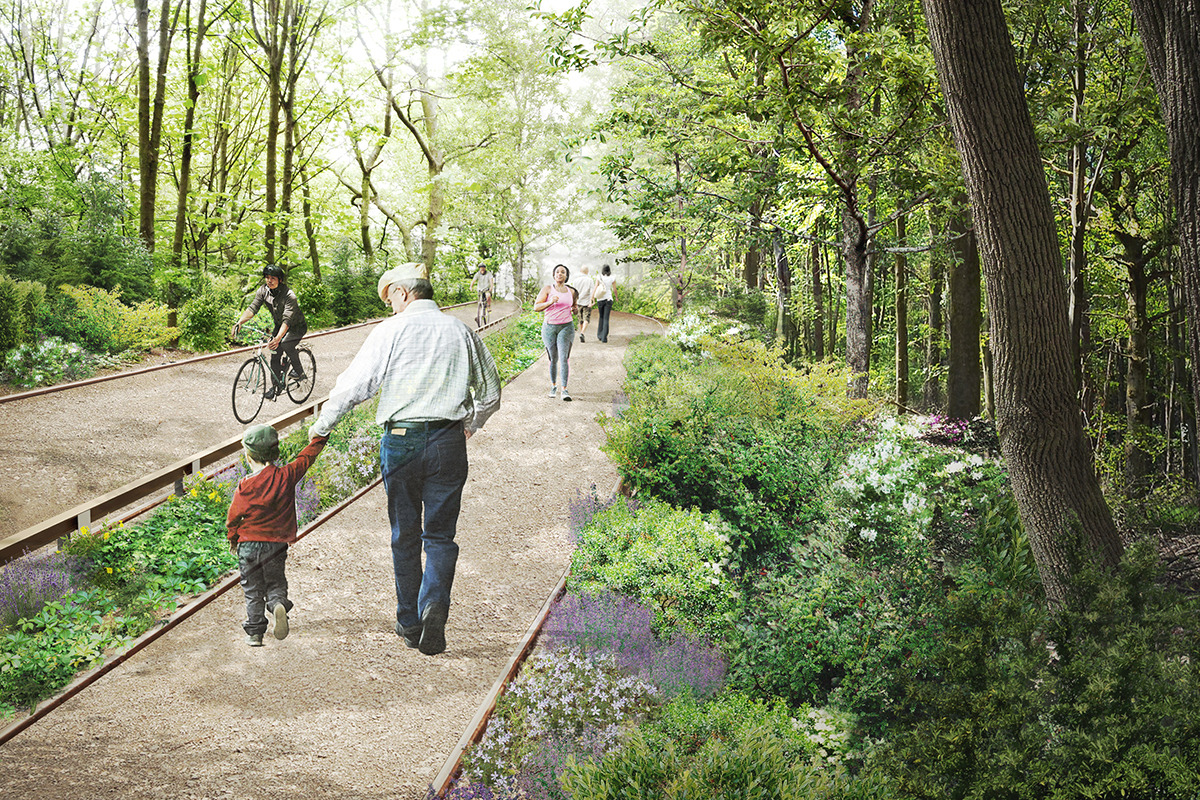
(402, 428)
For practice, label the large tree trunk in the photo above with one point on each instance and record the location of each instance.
(1037, 416)
(963, 371)
(900, 268)
(1170, 31)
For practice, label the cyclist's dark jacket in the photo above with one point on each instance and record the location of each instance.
(284, 307)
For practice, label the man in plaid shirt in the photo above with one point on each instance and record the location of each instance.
(437, 386)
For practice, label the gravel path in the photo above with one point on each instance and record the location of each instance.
(340, 709)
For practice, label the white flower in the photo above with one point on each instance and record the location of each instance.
(868, 534)
(954, 466)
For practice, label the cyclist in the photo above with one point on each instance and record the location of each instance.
(290, 325)
(483, 283)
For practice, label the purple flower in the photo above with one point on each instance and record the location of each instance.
(31, 581)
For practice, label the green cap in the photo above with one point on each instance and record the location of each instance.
(262, 443)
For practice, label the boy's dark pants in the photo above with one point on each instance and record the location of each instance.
(263, 581)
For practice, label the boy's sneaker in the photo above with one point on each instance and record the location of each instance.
(254, 639)
(281, 623)
(581, 337)
(566, 396)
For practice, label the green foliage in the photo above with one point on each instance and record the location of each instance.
(12, 323)
(50, 361)
(183, 542)
(97, 319)
(671, 560)
(517, 346)
(688, 724)
(204, 321)
(737, 431)
(647, 299)
(97, 251)
(753, 761)
(820, 629)
(351, 285)
(1097, 700)
(314, 298)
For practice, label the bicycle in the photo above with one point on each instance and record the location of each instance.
(250, 386)
(481, 309)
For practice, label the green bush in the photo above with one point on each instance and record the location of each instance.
(205, 321)
(688, 724)
(821, 629)
(12, 322)
(97, 319)
(738, 432)
(314, 299)
(674, 561)
(753, 763)
(1098, 700)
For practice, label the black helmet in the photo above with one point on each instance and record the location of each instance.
(270, 270)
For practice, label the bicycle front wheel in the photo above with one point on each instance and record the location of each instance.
(249, 387)
(300, 387)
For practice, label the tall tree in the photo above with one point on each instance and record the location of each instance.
(1170, 32)
(1037, 416)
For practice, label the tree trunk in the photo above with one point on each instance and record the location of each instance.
(818, 304)
(1137, 418)
(901, 281)
(1077, 258)
(931, 391)
(1170, 32)
(1037, 416)
(963, 372)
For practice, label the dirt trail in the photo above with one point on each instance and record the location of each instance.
(341, 709)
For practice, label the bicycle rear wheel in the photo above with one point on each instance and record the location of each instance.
(248, 389)
(300, 388)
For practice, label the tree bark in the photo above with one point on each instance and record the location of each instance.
(818, 304)
(1037, 416)
(963, 371)
(901, 280)
(931, 390)
(1170, 32)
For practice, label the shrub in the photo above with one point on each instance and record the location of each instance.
(672, 560)
(12, 322)
(754, 763)
(314, 298)
(99, 320)
(204, 322)
(822, 630)
(737, 432)
(1097, 700)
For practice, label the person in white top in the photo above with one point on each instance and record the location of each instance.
(605, 293)
(585, 287)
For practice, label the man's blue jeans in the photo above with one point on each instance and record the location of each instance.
(423, 471)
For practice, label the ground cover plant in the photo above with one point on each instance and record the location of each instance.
(895, 645)
(110, 583)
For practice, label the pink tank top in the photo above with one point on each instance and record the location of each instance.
(560, 312)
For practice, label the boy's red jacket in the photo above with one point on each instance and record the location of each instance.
(264, 505)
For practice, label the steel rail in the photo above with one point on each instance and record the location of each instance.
(89, 677)
(143, 370)
(66, 522)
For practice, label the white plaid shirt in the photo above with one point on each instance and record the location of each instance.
(426, 365)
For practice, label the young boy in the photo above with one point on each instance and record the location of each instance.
(262, 523)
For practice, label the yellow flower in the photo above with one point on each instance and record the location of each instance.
(109, 570)
(84, 530)
(193, 493)
(107, 534)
